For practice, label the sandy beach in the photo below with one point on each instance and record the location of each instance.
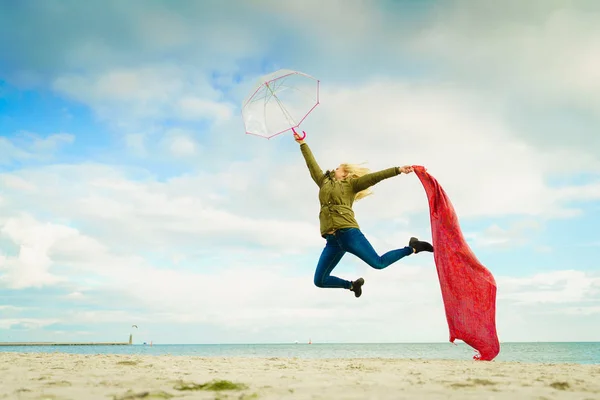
(59, 376)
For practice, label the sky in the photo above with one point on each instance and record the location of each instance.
(131, 194)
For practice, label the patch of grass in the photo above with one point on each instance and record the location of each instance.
(59, 383)
(215, 385)
(144, 395)
(461, 385)
(355, 366)
(484, 382)
(560, 385)
(224, 385)
(127, 362)
(161, 395)
(473, 382)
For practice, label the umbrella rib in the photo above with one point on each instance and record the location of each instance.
(265, 112)
(286, 113)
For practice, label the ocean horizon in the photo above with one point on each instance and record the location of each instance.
(526, 352)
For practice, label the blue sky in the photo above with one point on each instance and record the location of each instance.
(129, 193)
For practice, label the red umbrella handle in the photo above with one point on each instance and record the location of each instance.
(298, 136)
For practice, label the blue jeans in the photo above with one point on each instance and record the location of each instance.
(353, 241)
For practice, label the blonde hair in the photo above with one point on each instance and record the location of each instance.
(356, 171)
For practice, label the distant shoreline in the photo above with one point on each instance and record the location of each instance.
(17, 344)
(279, 343)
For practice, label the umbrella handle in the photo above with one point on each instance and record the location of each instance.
(298, 136)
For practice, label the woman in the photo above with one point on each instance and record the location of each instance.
(337, 192)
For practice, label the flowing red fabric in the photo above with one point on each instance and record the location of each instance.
(468, 288)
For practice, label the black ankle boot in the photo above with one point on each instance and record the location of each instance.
(357, 287)
(419, 245)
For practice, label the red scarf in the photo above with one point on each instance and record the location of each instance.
(468, 288)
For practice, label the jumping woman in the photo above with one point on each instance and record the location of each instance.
(338, 190)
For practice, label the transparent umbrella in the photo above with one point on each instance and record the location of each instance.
(280, 102)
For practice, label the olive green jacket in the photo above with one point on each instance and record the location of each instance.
(337, 196)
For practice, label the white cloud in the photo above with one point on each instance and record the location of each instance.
(15, 182)
(10, 308)
(192, 108)
(239, 297)
(52, 142)
(325, 21)
(517, 234)
(557, 287)
(31, 267)
(178, 213)
(144, 95)
(181, 143)
(135, 142)
(176, 293)
(183, 146)
(541, 51)
(585, 192)
(122, 85)
(175, 29)
(28, 146)
(586, 310)
(8, 151)
(26, 323)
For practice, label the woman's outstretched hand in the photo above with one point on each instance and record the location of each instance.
(407, 169)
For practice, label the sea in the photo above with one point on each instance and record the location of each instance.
(538, 352)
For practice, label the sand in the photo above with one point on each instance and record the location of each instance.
(65, 376)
